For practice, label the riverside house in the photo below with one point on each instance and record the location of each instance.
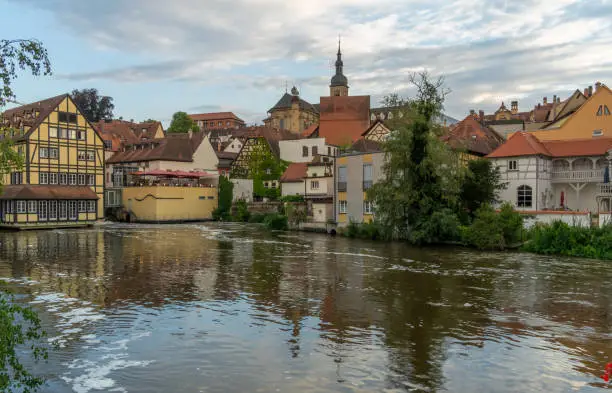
(171, 179)
(62, 181)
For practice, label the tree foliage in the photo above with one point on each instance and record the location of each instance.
(182, 123)
(494, 230)
(20, 55)
(226, 192)
(422, 176)
(263, 166)
(94, 106)
(481, 185)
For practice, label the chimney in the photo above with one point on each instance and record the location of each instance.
(514, 107)
(586, 92)
(472, 112)
(597, 85)
(545, 100)
(481, 115)
(555, 99)
(590, 91)
(558, 100)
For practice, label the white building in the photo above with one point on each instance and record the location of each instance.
(304, 150)
(555, 175)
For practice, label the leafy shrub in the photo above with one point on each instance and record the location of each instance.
(441, 226)
(257, 218)
(292, 198)
(242, 211)
(276, 222)
(560, 238)
(511, 223)
(492, 230)
(221, 215)
(369, 230)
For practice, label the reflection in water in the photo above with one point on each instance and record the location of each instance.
(232, 308)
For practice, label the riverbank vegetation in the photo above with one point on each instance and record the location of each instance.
(560, 238)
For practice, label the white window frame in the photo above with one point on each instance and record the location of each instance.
(32, 207)
(512, 165)
(91, 206)
(43, 152)
(43, 178)
(314, 185)
(91, 155)
(72, 179)
(342, 206)
(82, 155)
(368, 207)
(63, 178)
(53, 178)
(53, 210)
(73, 211)
(82, 206)
(82, 179)
(42, 211)
(22, 207)
(53, 132)
(53, 153)
(523, 191)
(91, 180)
(63, 210)
(597, 132)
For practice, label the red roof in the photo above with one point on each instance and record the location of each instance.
(471, 135)
(526, 144)
(344, 118)
(216, 116)
(307, 133)
(295, 172)
(27, 191)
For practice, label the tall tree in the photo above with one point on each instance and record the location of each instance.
(18, 325)
(181, 122)
(417, 197)
(94, 106)
(481, 186)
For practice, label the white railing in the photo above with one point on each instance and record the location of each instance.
(605, 189)
(589, 175)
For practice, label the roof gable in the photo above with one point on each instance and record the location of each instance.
(295, 172)
(31, 115)
(520, 144)
(473, 136)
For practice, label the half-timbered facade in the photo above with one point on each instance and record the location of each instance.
(377, 132)
(61, 183)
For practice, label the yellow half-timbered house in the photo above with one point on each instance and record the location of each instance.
(61, 183)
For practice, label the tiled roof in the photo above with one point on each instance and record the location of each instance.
(307, 133)
(31, 115)
(175, 147)
(27, 191)
(366, 146)
(295, 172)
(285, 103)
(471, 135)
(344, 118)
(127, 131)
(215, 116)
(226, 155)
(520, 144)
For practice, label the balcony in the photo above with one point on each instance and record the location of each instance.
(605, 189)
(579, 176)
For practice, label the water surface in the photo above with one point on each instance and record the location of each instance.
(234, 308)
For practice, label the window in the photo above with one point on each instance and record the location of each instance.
(53, 152)
(91, 206)
(342, 207)
(205, 124)
(329, 151)
(82, 206)
(63, 178)
(66, 117)
(367, 176)
(524, 197)
(52, 210)
(53, 178)
(21, 207)
(16, 178)
(600, 110)
(268, 171)
(91, 155)
(304, 151)
(32, 205)
(72, 134)
(42, 211)
(266, 185)
(80, 135)
(81, 179)
(597, 132)
(62, 133)
(72, 210)
(342, 178)
(314, 184)
(227, 123)
(282, 124)
(72, 179)
(606, 110)
(86, 155)
(53, 132)
(43, 178)
(63, 209)
(513, 165)
(220, 124)
(315, 150)
(108, 144)
(91, 180)
(368, 207)
(43, 152)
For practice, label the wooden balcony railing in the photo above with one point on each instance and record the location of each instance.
(589, 175)
(605, 189)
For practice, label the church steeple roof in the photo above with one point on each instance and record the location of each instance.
(339, 79)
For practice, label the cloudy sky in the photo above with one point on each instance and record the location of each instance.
(157, 57)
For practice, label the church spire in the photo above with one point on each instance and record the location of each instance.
(339, 82)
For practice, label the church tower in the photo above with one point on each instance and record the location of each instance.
(339, 83)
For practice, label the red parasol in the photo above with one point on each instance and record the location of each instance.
(562, 199)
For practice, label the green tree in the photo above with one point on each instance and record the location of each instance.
(94, 106)
(19, 326)
(481, 185)
(181, 122)
(422, 176)
(226, 192)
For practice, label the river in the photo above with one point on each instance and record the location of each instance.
(235, 308)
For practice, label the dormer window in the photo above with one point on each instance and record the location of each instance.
(603, 110)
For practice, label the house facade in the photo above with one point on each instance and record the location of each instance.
(292, 113)
(61, 183)
(217, 120)
(555, 175)
(305, 149)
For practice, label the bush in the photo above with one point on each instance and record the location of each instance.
(276, 222)
(368, 230)
(257, 218)
(292, 198)
(492, 230)
(560, 238)
(242, 211)
(441, 226)
(220, 214)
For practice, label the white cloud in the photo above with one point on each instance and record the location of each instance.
(490, 50)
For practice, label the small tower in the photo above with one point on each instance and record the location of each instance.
(514, 107)
(339, 82)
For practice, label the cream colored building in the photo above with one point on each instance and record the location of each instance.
(305, 149)
(292, 113)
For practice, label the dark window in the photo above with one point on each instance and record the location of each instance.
(524, 197)
(304, 151)
(315, 150)
(512, 165)
(17, 178)
(606, 110)
(367, 176)
(329, 151)
(66, 117)
(342, 178)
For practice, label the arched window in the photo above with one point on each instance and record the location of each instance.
(524, 197)
(304, 151)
